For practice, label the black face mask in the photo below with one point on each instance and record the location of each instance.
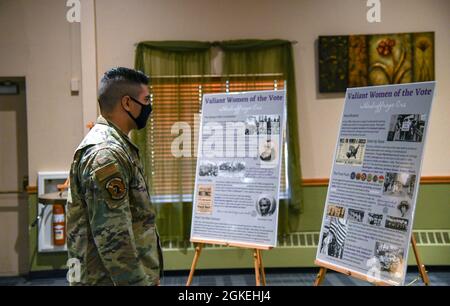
(141, 120)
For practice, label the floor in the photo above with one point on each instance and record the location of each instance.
(275, 277)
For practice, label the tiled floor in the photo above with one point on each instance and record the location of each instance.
(285, 277)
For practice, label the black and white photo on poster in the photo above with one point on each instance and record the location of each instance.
(406, 127)
(396, 223)
(234, 168)
(262, 125)
(333, 237)
(351, 151)
(374, 219)
(399, 184)
(355, 215)
(268, 153)
(208, 168)
(266, 205)
(403, 208)
(390, 258)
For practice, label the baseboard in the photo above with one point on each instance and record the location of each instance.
(298, 250)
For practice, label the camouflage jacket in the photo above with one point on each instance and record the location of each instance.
(110, 221)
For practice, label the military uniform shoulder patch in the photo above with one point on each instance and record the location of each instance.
(106, 171)
(116, 188)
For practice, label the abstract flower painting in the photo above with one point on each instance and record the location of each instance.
(364, 60)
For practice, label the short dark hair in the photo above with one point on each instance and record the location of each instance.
(118, 82)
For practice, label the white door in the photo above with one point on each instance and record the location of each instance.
(13, 170)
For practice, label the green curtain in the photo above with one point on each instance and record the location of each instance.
(170, 58)
(178, 58)
(273, 56)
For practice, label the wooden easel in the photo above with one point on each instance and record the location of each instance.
(260, 275)
(323, 270)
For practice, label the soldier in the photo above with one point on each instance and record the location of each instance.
(110, 220)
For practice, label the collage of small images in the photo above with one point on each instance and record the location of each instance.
(262, 125)
(371, 218)
(235, 168)
(388, 258)
(394, 184)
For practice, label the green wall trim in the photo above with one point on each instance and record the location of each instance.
(293, 257)
(432, 212)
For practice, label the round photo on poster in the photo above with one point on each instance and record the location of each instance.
(267, 151)
(265, 205)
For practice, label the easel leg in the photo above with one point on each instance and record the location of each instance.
(423, 273)
(320, 276)
(198, 250)
(257, 267)
(263, 273)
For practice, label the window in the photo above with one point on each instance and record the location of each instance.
(177, 104)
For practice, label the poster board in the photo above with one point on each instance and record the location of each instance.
(236, 193)
(369, 210)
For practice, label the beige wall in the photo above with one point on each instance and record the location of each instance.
(37, 42)
(120, 24)
(13, 168)
(41, 45)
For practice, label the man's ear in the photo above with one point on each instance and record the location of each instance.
(125, 102)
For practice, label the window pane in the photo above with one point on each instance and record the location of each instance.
(176, 105)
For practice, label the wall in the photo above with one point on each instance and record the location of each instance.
(44, 47)
(120, 26)
(38, 43)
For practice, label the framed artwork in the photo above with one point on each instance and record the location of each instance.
(380, 59)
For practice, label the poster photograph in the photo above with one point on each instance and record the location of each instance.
(368, 220)
(236, 195)
(351, 151)
(406, 127)
(204, 202)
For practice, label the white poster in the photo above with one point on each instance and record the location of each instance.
(369, 210)
(238, 169)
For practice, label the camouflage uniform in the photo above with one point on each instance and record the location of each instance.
(110, 221)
